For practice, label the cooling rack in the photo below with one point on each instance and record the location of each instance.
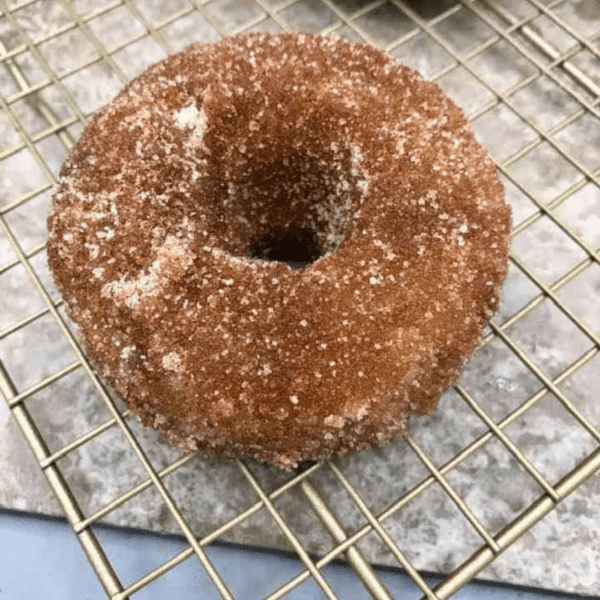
(537, 109)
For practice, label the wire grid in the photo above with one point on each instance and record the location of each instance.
(520, 32)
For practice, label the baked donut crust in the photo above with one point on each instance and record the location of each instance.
(181, 192)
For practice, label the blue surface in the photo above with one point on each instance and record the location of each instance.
(40, 558)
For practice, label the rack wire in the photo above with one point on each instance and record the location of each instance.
(567, 58)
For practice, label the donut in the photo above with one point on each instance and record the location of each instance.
(279, 246)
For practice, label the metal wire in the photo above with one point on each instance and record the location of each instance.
(520, 34)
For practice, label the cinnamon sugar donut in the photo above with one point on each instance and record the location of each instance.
(279, 245)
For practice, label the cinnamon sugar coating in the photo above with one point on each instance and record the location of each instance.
(170, 227)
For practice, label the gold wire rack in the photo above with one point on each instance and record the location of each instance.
(485, 24)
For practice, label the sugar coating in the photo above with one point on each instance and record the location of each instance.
(210, 150)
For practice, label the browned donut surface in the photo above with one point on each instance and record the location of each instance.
(279, 245)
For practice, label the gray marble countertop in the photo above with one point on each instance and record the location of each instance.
(561, 552)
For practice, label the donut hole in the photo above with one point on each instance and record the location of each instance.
(297, 246)
(294, 209)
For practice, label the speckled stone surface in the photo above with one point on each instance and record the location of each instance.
(563, 550)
